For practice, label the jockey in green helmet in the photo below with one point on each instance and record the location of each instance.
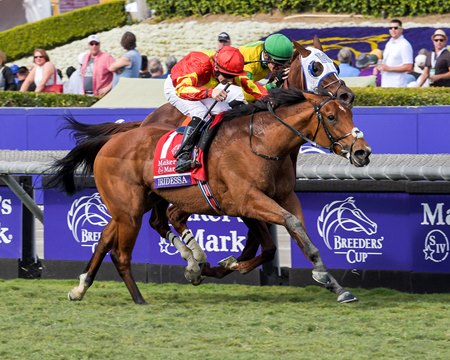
(278, 48)
(264, 57)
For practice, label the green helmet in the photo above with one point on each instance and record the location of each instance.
(278, 47)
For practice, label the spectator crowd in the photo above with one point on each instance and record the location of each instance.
(96, 72)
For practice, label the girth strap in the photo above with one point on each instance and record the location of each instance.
(209, 197)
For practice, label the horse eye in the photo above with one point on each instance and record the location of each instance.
(316, 68)
(331, 118)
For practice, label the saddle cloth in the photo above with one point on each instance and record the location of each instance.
(164, 161)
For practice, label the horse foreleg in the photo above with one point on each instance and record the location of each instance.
(320, 274)
(88, 276)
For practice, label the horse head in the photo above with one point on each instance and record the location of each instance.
(313, 70)
(336, 131)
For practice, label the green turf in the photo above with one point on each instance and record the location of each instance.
(218, 322)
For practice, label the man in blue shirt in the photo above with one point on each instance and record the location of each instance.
(345, 67)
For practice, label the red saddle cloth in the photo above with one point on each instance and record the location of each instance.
(164, 162)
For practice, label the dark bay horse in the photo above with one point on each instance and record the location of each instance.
(122, 165)
(319, 76)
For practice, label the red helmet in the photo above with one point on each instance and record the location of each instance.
(229, 60)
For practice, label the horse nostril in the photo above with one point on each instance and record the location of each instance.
(362, 153)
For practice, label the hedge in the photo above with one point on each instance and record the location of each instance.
(369, 96)
(182, 8)
(59, 30)
(32, 99)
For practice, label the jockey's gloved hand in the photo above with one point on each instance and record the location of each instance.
(279, 78)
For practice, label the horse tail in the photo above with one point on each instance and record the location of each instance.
(90, 139)
(82, 131)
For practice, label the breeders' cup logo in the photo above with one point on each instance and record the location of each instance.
(342, 217)
(86, 219)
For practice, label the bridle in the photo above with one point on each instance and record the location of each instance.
(334, 142)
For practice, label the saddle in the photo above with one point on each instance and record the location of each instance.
(164, 160)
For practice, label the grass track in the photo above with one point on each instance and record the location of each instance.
(218, 322)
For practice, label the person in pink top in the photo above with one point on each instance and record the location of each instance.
(95, 76)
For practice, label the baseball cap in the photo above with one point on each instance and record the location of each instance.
(93, 37)
(223, 36)
(439, 32)
(14, 68)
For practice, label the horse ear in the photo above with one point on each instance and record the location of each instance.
(316, 43)
(304, 52)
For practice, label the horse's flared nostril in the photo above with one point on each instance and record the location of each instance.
(347, 98)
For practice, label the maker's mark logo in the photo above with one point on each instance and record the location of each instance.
(86, 219)
(336, 223)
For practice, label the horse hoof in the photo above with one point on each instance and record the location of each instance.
(228, 262)
(321, 277)
(198, 281)
(71, 297)
(346, 297)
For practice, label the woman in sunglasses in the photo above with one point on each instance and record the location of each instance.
(43, 72)
(437, 63)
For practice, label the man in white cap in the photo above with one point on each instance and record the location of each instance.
(96, 78)
(437, 64)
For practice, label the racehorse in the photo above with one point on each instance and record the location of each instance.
(122, 166)
(310, 69)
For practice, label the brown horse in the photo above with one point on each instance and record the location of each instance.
(321, 77)
(122, 165)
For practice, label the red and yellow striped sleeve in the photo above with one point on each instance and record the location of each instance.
(250, 87)
(186, 88)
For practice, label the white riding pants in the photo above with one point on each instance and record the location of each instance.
(200, 107)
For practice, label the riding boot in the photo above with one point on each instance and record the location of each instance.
(183, 155)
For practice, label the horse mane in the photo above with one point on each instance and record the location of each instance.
(277, 97)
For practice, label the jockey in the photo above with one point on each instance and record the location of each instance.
(264, 57)
(192, 87)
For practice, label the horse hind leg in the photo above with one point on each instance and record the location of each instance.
(87, 277)
(179, 219)
(159, 222)
(121, 256)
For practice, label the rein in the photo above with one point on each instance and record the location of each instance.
(334, 142)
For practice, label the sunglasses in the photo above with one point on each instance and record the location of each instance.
(440, 40)
(94, 43)
(394, 27)
(38, 57)
(227, 76)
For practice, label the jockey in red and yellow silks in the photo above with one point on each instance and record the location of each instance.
(193, 77)
(195, 86)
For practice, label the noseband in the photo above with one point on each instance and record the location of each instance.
(334, 142)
